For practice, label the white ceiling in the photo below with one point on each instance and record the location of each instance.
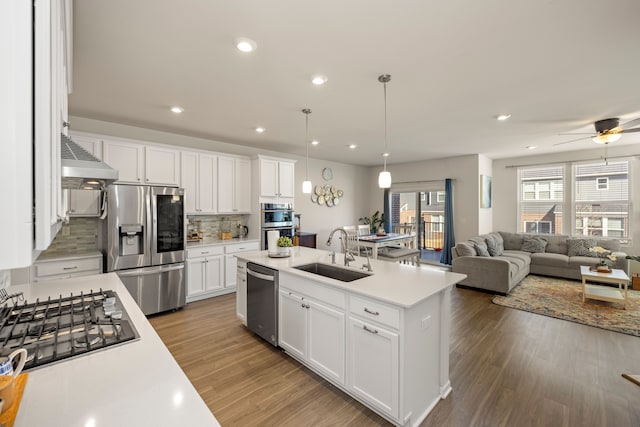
(555, 65)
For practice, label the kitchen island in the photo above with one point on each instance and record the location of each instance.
(136, 383)
(383, 338)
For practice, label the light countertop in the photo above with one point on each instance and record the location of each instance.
(216, 242)
(138, 383)
(400, 284)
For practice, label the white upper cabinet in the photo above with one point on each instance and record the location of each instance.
(277, 178)
(198, 178)
(127, 158)
(234, 185)
(143, 164)
(162, 166)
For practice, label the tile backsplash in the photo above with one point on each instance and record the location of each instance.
(81, 234)
(211, 225)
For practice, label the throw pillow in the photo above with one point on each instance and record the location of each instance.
(499, 241)
(481, 249)
(465, 249)
(580, 247)
(493, 246)
(534, 244)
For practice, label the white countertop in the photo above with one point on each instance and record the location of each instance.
(58, 256)
(134, 384)
(400, 284)
(215, 242)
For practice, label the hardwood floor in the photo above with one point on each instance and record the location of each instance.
(508, 368)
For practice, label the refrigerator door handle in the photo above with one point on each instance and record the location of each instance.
(150, 270)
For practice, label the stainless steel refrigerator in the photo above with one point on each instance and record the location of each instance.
(143, 239)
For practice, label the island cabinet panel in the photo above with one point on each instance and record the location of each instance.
(326, 340)
(374, 365)
(292, 333)
(241, 291)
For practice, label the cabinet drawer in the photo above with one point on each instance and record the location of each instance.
(375, 310)
(68, 267)
(242, 247)
(205, 251)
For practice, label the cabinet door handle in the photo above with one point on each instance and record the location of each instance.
(203, 253)
(375, 313)
(373, 331)
(70, 268)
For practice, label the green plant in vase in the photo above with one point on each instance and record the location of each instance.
(374, 221)
(284, 245)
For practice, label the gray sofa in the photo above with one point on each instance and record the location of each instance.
(498, 261)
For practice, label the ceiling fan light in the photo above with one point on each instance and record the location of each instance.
(384, 179)
(606, 138)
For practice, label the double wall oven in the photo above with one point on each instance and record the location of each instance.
(276, 216)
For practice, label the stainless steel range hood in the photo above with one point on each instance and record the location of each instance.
(81, 170)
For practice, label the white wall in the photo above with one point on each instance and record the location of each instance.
(505, 188)
(464, 170)
(351, 179)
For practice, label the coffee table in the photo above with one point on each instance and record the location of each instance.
(605, 293)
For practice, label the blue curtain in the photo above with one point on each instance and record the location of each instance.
(387, 210)
(449, 238)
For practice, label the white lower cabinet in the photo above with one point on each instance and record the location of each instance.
(313, 332)
(205, 272)
(64, 267)
(374, 364)
(241, 291)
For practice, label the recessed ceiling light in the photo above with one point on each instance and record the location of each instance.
(530, 147)
(246, 45)
(260, 129)
(315, 142)
(352, 146)
(177, 109)
(385, 154)
(319, 79)
(503, 117)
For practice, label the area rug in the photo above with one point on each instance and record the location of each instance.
(562, 299)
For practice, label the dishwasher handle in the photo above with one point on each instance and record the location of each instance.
(260, 275)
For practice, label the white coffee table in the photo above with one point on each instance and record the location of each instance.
(605, 293)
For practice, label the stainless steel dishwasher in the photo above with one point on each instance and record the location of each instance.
(262, 302)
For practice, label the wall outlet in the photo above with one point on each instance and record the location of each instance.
(66, 231)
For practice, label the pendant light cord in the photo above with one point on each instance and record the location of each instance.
(385, 127)
(306, 143)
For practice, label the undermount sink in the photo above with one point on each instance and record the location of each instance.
(332, 271)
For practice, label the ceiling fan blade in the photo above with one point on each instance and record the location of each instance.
(631, 124)
(573, 140)
(630, 130)
(577, 133)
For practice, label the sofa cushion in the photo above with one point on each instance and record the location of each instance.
(534, 244)
(609, 244)
(580, 247)
(524, 256)
(497, 237)
(515, 261)
(556, 243)
(577, 261)
(512, 241)
(492, 245)
(465, 249)
(481, 249)
(550, 259)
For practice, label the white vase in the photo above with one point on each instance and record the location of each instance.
(284, 251)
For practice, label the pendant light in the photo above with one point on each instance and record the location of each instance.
(306, 184)
(384, 179)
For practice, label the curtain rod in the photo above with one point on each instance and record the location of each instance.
(419, 182)
(568, 161)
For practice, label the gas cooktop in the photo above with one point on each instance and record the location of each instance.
(64, 327)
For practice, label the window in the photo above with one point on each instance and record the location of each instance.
(542, 227)
(602, 183)
(440, 196)
(598, 205)
(541, 202)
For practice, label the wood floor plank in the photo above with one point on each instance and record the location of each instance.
(508, 368)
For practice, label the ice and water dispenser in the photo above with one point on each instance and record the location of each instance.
(131, 239)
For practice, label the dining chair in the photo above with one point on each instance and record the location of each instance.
(364, 230)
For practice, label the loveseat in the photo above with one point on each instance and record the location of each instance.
(498, 261)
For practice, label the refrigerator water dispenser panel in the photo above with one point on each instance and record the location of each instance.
(131, 239)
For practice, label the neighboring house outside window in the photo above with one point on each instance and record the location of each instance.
(598, 203)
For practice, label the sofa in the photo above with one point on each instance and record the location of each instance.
(498, 261)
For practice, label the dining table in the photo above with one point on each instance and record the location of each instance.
(375, 241)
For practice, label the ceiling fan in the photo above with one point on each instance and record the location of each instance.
(607, 131)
